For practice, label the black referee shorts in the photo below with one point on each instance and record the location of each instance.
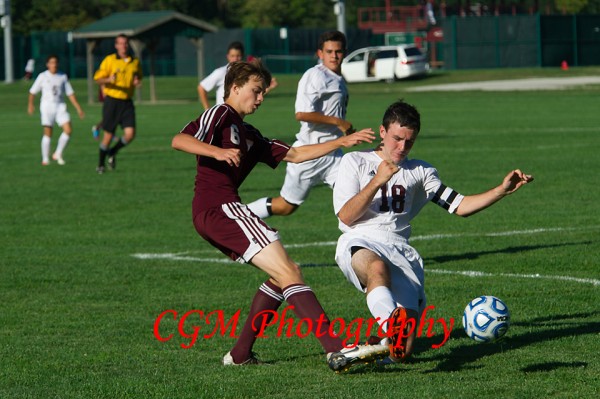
(117, 112)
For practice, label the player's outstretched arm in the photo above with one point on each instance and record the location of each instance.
(186, 143)
(313, 151)
(319, 118)
(472, 204)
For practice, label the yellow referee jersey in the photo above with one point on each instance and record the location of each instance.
(124, 70)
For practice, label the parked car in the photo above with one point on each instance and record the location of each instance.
(384, 63)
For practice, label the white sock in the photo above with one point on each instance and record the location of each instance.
(260, 208)
(45, 148)
(381, 304)
(62, 143)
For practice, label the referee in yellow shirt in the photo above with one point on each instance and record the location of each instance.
(120, 74)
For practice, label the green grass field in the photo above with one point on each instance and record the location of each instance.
(77, 306)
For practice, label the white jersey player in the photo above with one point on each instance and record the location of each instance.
(215, 79)
(321, 103)
(235, 52)
(376, 196)
(54, 86)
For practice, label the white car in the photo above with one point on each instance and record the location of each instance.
(384, 63)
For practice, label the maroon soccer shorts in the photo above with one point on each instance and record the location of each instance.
(234, 230)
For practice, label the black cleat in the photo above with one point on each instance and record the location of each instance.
(112, 162)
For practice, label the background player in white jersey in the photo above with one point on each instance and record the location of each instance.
(54, 85)
(380, 193)
(235, 52)
(321, 103)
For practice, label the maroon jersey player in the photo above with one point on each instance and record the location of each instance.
(227, 149)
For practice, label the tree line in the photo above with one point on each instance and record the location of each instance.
(68, 15)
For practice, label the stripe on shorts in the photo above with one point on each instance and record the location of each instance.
(248, 222)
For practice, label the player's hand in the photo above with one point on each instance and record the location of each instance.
(112, 78)
(232, 156)
(136, 80)
(363, 136)
(344, 126)
(385, 171)
(514, 180)
(30, 109)
(81, 113)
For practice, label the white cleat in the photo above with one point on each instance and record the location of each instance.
(347, 357)
(228, 360)
(59, 160)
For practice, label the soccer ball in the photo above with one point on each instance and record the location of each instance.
(486, 319)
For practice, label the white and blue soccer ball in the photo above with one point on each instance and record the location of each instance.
(486, 319)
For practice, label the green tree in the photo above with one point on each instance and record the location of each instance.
(66, 15)
(570, 6)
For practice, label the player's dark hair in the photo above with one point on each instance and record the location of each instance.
(239, 73)
(332, 36)
(51, 56)
(236, 46)
(404, 114)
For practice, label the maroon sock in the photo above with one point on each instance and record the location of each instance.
(307, 306)
(267, 298)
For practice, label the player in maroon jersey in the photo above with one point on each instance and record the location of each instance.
(227, 149)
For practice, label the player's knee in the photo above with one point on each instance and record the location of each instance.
(292, 272)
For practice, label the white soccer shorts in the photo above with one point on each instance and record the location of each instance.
(405, 264)
(300, 178)
(54, 113)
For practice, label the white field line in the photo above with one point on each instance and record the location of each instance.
(468, 273)
(473, 273)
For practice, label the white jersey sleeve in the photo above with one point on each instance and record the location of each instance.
(216, 79)
(36, 87)
(396, 203)
(321, 90)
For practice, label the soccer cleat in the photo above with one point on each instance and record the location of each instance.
(397, 337)
(348, 357)
(59, 159)
(100, 170)
(112, 162)
(228, 360)
(95, 132)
